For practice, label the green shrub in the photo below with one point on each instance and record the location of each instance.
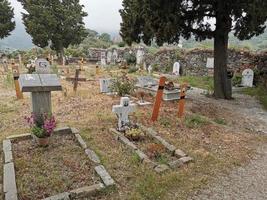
(133, 69)
(259, 92)
(123, 85)
(237, 79)
(130, 58)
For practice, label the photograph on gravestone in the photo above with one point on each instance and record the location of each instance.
(42, 66)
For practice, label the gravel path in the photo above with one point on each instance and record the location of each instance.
(247, 182)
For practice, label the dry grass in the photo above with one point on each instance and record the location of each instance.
(215, 148)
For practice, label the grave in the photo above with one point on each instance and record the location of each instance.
(109, 57)
(15, 71)
(140, 56)
(89, 175)
(40, 86)
(122, 111)
(105, 85)
(151, 85)
(210, 63)
(151, 146)
(247, 78)
(176, 69)
(76, 79)
(150, 69)
(114, 56)
(103, 58)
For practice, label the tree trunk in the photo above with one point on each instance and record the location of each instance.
(221, 82)
(62, 56)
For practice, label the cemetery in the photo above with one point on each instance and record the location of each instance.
(83, 116)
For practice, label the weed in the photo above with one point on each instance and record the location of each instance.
(195, 121)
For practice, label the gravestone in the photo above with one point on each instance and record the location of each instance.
(40, 86)
(140, 56)
(247, 78)
(109, 57)
(176, 69)
(103, 58)
(42, 66)
(114, 56)
(150, 69)
(146, 81)
(210, 63)
(122, 111)
(105, 85)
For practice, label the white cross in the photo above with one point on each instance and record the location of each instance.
(122, 111)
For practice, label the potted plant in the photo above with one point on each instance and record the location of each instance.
(41, 128)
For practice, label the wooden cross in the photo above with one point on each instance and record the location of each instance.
(158, 100)
(76, 79)
(15, 71)
(182, 100)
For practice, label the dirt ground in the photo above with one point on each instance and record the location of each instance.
(219, 135)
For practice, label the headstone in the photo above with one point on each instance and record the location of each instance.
(247, 78)
(103, 58)
(109, 57)
(146, 81)
(40, 86)
(114, 56)
(140, 56)
(105, 85)
(176, 69)
(42, 66)
(210, 63)
(150, 69)
(122, 111)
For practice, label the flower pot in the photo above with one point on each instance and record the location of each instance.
(42, 142)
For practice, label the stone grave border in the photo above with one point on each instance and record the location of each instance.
(182, 158)
(9, 178)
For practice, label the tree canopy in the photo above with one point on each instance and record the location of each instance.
(58, 23)
(167, 21)
(6, 15)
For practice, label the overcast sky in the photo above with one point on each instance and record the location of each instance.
(103, 15)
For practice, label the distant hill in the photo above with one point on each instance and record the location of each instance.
(19, 39)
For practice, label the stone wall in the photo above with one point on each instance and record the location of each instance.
(193, 62)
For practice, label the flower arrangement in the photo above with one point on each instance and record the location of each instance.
(42, 127)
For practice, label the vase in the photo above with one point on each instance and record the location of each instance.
(42, 142)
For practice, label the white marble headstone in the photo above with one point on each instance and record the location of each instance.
(42, 66)
(109, 57)
(122, 111)
(247, 78)
(103, 59)
(105, 85)
(176, 69)
(150, 69)
(140, 56)
(210, 63)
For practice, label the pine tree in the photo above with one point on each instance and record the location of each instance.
(58, 23)
(167, 21)
(6, 15)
